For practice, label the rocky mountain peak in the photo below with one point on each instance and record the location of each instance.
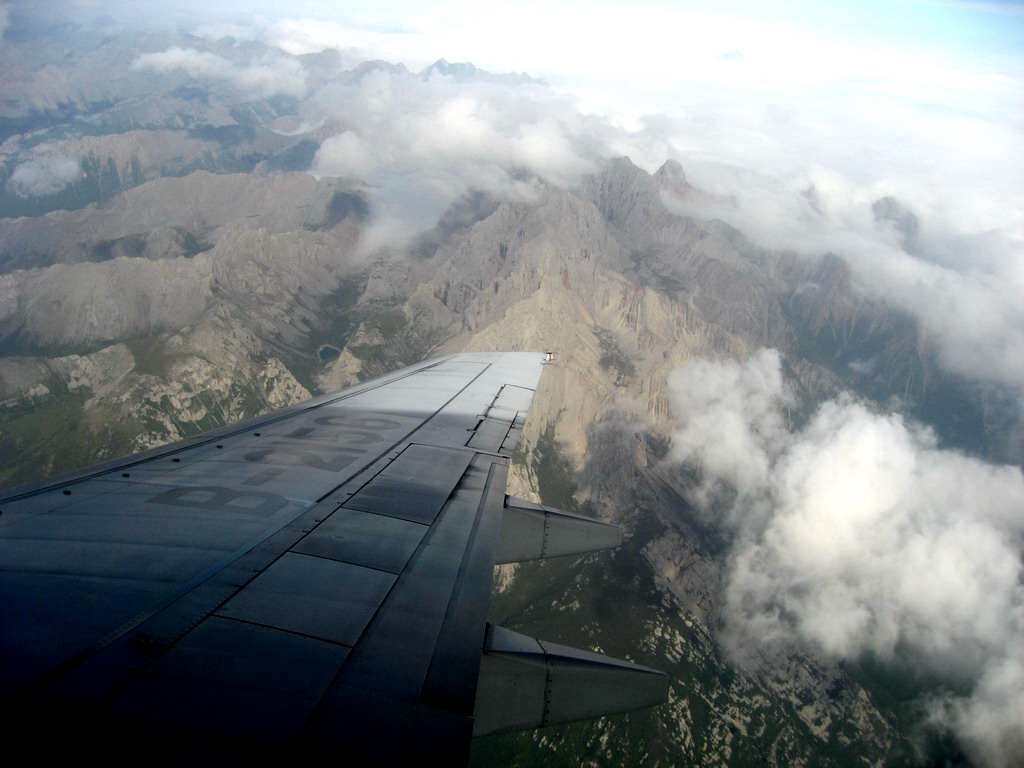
(622, 168)
(671, 173)
(619, 189)
(461, 70)
(377, 65)
(890, 212)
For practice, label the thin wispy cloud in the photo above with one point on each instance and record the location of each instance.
(267, 77)
(45, 175)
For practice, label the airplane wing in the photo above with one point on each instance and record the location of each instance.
(306, 587)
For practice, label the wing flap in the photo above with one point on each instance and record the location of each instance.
(531, 532)
(527, 683)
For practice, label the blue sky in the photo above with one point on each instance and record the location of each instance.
(985, 26)
(982, 28)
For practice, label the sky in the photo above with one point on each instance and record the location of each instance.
(479, 31)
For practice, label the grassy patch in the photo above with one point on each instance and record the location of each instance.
(338, 316)
(151, 358)
(402, 342)
(389, 324)
(368, 353)
(60, 437)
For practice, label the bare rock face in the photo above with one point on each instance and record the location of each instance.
(341, 373)
(76, 305)
(199, 204)
(562, 274)
(297, 248)
(98, 373)
(890, 212)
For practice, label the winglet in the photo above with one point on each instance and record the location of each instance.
(528, 683)
(530, 532)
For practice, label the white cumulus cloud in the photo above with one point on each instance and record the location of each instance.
(855, 535)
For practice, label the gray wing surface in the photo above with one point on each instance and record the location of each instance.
(307, 587)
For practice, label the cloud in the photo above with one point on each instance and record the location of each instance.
(421, 141)
(266, 77)
(963, 288)
(45, 175)
(989, 721)
(736, 411)
(855, 535)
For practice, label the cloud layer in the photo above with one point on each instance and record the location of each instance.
(856, 536)
(43, 176)
(267, 77)
(963, 286)
(422, 140)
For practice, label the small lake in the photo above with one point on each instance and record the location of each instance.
(328, 353)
